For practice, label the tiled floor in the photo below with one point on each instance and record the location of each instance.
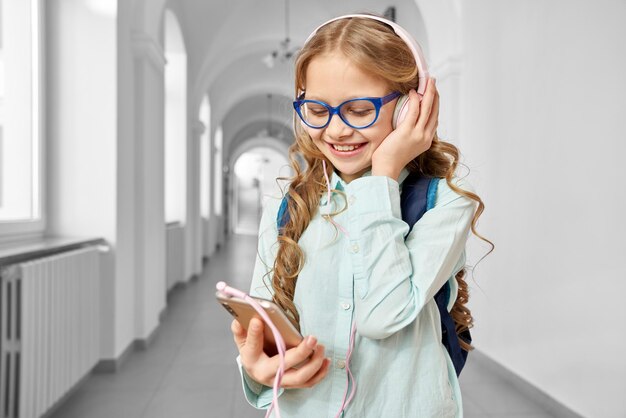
(189, 370)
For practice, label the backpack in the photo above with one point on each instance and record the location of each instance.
(418, 196)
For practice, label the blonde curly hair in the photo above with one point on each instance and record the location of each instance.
(375, 48)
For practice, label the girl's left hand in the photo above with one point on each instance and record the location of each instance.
(412, 137)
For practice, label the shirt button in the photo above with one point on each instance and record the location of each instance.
(345, 305)
(355, 248)
(351, 200)
(340, 364)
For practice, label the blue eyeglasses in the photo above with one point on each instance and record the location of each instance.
(357, 113)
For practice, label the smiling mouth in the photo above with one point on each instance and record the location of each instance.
(346, 148)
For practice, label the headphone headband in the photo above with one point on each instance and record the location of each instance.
(416, 50)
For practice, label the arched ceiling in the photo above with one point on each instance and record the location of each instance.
(254, 116)
(226, 42)
(225, 35)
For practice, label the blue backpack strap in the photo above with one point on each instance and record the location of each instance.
(449, 337)
(282, 217)
(431, 194)
(414, 198)
(418, 196)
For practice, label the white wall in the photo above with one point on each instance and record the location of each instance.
(105, 147)
(543, 131)
(81, 132)
(106, 154)
(81, 112)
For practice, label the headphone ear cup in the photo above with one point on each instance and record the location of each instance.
(399, 113)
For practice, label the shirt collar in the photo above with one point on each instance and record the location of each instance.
(340, 184)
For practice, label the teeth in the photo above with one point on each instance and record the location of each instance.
(345, 147)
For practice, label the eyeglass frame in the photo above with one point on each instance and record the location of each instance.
(378, 102)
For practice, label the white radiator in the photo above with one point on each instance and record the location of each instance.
(50, 323)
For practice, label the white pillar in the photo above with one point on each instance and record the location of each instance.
(149, 180)
(193, 228)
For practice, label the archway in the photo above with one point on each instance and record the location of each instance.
(255, 168)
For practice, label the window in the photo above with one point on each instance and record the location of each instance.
(20, 122)
(218, 171)
(205, 159)
(175, 122)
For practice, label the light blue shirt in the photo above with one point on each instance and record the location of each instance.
(383, 282)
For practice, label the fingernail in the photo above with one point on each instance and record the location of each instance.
(311, 341)
(255, 326)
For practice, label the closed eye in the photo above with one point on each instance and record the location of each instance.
(361, 112)
(318, 110)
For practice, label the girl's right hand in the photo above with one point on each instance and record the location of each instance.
(308, 355)
(413, 136)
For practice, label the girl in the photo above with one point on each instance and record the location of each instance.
(342, 266)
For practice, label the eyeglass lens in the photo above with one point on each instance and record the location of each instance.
(357, 113)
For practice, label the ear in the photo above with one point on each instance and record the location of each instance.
(399, 113)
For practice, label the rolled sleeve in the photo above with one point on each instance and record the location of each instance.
(395, 278)
(373, 195)
(257, 394)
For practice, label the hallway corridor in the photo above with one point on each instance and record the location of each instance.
(189, 370)
(139, 138)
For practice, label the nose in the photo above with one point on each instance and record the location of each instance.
(337, 128)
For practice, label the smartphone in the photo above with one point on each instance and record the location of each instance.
(242, 311)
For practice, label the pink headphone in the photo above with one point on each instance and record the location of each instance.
(422, 69)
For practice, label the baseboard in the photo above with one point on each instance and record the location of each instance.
(529, 390)
(163, 314)
(139, 344)
(178, 286)
(142, 344)
(113, 365)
